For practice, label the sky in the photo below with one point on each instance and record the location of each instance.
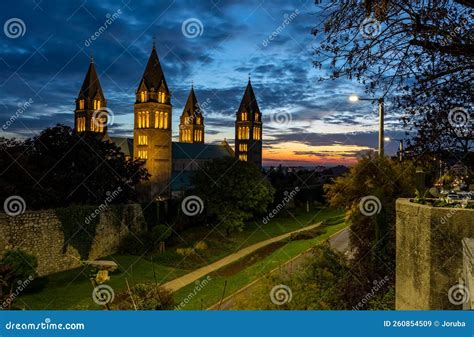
(215, 44)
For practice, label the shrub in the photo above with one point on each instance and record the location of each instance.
(305, 235)
(185, 251)
(201, 245)
(23, 265)
(145, 297)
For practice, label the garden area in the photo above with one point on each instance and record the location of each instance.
(72, 289)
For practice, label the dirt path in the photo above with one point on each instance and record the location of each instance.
(184, 280)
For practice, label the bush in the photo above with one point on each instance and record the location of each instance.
(305, 235)
(160, 233)
(17, 271)
(145, 297)
(185, 251)
(23, 265)
(201, 245)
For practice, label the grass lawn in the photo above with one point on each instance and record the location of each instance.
(72, 289)
(212, 291)
(220, 245)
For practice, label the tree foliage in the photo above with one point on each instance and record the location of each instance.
(233, 191)
(59, 167)
(419, 53)
(381, 181)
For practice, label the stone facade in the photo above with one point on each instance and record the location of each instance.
(41, 234)
(429, 257)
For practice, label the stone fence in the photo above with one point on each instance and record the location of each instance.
(61, 238)
(429, 255)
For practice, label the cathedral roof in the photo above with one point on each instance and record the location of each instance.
(192, 106)
(249, 101)
(91, 85)
(153, 77)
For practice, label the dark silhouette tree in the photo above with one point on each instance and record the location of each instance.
(59, 167)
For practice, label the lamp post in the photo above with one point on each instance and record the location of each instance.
(355, 98)
(400, 147)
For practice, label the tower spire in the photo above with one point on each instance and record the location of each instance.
(154, 41)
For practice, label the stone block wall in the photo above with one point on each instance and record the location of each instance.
(42, 234)
(429, 258)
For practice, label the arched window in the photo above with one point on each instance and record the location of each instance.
(256, 117)
(81, 104)
(143, 96)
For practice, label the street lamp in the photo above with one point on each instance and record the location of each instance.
(355, 98)
(400, 147)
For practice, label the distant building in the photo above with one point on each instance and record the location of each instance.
(169, 163)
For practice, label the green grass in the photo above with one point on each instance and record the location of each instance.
(255, 231)
(72, 289)
(212, 292)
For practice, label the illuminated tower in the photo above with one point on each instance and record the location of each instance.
(248, 129)
(91, 113)
(152, 127)
(191, 126)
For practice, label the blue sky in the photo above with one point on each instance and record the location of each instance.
(47, 63)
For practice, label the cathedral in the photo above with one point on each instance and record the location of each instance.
(170, 164)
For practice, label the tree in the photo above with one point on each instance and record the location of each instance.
(414, 51)
(233, 191)
(368, 194)
(59, 167)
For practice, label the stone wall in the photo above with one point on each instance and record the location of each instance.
(429, 257)
(57, 248)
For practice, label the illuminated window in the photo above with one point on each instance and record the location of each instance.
(243, 147)
(244, 116)
(256, 116)
(143, 154)
(198, 121)
(143, 96)
(96, 104)
(243, 157)
(81, 104)
(161, 97)
(81, 124)
(143, 119)
(247, 132)
(142, 140)
(256, 133)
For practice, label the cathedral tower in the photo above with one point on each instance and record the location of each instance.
(191, 126)
(248, 129)
(91, 113)
(152, 127)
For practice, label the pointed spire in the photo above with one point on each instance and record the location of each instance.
(91, 85)
(153, 76)
(249, 101)
(192, 106)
